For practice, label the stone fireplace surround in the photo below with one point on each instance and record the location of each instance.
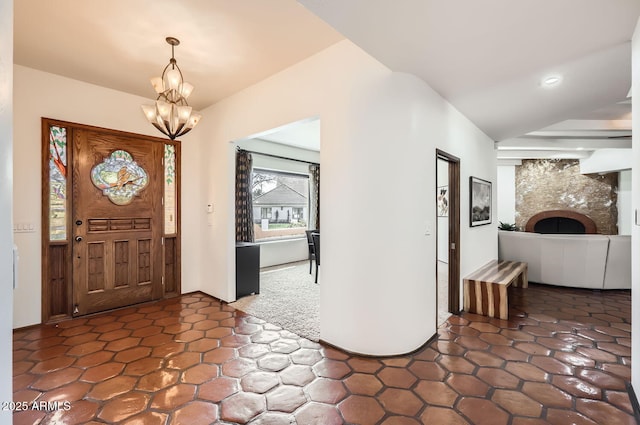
(557, 184)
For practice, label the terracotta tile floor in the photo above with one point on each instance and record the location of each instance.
(563, 358)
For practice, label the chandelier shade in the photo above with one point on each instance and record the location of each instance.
(171, 114)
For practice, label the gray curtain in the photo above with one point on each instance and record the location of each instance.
(314, 204)
(244, 211)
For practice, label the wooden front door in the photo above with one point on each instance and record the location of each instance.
(111, 219)
(116, 222)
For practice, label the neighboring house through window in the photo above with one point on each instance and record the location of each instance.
(281, 201)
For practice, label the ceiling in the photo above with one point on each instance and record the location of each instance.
(226, 45)
(303, 134)
(486, 58)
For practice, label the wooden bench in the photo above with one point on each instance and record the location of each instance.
(485, 290)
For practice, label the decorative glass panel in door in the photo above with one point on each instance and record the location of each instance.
(169, 189)
(57, 183)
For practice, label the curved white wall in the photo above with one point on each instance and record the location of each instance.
(379, 135)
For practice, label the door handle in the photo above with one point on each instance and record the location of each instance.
(78, 238)
(78, 222)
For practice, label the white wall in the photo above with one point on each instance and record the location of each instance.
(6, 184)
(275, 253)
(443, 222)
(379, 129)
(260, 161)
(39, 94)
(506, 194)
(625, 208)
(635, 233)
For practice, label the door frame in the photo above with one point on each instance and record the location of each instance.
(454, 229)
(57, 256)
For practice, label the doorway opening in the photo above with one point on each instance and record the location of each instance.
(284, 188)
(447, 235)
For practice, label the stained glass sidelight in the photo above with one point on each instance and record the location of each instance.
(169, 189)
(57, 183)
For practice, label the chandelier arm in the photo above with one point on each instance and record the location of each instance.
(164, 71)
(181, 79)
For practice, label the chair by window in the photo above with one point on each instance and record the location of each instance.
(316, 246)
(312, 254)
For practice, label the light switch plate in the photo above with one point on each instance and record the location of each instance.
(24, 228)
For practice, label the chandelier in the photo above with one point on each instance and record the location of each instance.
(171, 114)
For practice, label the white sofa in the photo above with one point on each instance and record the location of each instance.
(582, 261)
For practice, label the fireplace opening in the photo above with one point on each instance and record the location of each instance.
(559, 225)
(561, 222)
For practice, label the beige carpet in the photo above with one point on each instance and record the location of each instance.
(288, 298)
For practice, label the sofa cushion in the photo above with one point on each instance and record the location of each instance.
(573, 260)
(521, 246)
(617, 274)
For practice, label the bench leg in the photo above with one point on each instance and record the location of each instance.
(521, 280)
(503, 309)
(488, 299)
(475, 298)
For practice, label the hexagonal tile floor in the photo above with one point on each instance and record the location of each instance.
(563, 357)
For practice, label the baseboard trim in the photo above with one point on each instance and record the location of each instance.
(634, 402)
(380, 356)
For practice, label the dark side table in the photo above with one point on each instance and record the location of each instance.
(247, 269)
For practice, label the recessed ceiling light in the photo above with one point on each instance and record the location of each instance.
(551, 81)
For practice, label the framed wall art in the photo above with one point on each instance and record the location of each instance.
(443, 201)
(480, 202)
